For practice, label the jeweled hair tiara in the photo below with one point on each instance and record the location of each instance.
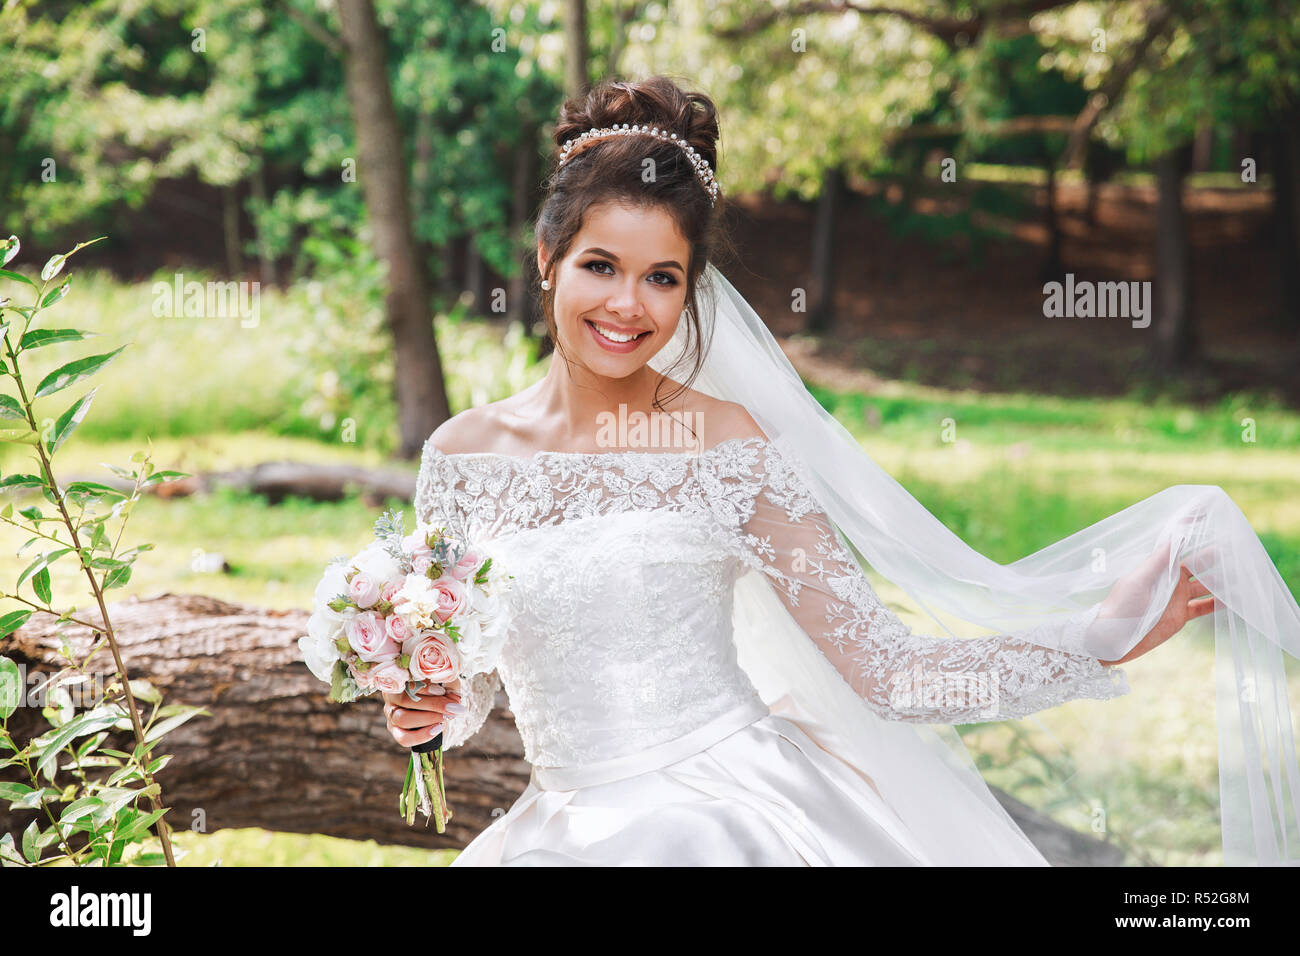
(702, 169)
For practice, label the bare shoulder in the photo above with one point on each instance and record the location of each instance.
(722, 420)
(472, 430)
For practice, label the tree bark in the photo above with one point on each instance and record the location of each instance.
(1286, 217)
(821, 305)
(1174, 312)
(575, 47)
(275, 753)
(421, 394)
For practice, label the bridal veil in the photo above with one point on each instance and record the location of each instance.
(923, 771)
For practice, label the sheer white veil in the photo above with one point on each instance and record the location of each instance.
(923, 771)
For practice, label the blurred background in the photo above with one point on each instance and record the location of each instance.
(349, 186)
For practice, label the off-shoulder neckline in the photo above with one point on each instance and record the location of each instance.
(549, 453)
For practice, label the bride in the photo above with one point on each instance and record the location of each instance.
(699, 668)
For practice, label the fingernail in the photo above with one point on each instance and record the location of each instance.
(435, 730)
(455, 708)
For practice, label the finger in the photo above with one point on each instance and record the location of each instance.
(429, 705)
(409, 738)
(1197, 589)
(415, 719)
(1200, 608)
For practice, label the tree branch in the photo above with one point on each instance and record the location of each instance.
(1159, 19)
(954, 31)
(319, 33)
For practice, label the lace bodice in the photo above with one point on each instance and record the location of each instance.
(625, 563)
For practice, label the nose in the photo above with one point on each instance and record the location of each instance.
(624, 301)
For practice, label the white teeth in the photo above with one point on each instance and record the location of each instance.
(612, 335)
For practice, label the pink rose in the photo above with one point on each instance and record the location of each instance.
(432, 658)
(369, 637)
(363, 589)
(364, 678)
(451, 595)
(468, 565)
(397, 628)
(420, 562)
(388, 677)
(390, 589)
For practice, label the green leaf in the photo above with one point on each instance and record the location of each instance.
(53, 267)
(24, 436)
(13, 791)
(11, 690)
(93, 489)
(56, 294)
(87, 723)
(21, 481)
(117, 578)
(29, 842)
(6, 274)
(10, 408)
(80, 808)
(69, 420)
(33, 800)
(158, 476)
(74, 372)
(41, 585)
(115, 798)
(171, 723)
(37, 338)
(141, 824)
(13, 620)
(42, 562)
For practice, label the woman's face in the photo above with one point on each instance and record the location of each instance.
(625, 273)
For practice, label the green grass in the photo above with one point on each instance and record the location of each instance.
(1008, 473)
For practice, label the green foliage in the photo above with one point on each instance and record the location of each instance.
(102, 823)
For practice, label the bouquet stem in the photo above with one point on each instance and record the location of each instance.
(425, 786)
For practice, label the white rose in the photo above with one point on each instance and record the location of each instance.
(377, 563)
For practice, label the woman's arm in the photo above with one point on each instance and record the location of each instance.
(903, 675)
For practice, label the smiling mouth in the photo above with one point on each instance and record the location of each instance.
(615, 336)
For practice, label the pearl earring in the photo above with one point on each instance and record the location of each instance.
(546, 284)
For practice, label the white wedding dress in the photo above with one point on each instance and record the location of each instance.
(649, 743)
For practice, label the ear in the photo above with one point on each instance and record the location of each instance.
(542, 258)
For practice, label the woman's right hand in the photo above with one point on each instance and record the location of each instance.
(416, 722)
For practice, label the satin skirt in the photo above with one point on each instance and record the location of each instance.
(748, 788)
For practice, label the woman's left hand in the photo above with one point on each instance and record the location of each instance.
(1191, 599)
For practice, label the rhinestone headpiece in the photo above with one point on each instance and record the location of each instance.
(702, 169)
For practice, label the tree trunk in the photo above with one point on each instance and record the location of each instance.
(1286, 216)
(575, 48)
(421, 394)
(1174, 316)
(230, 230)
(519, 299)
(275, 753)
(1052, 267)
(265, 261)
(821, 297)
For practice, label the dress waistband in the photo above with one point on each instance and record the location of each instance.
(651, 758)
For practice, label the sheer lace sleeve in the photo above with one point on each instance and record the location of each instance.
(434, 505)
(903, 675)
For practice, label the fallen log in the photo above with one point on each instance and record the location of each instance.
(276, 753)
(280, 479)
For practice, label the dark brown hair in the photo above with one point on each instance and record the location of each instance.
(610, 170)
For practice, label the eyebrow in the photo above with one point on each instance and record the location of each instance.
(655, 265)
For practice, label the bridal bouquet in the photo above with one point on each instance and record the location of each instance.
(408, 612)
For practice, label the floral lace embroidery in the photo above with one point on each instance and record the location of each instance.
(757, 504)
